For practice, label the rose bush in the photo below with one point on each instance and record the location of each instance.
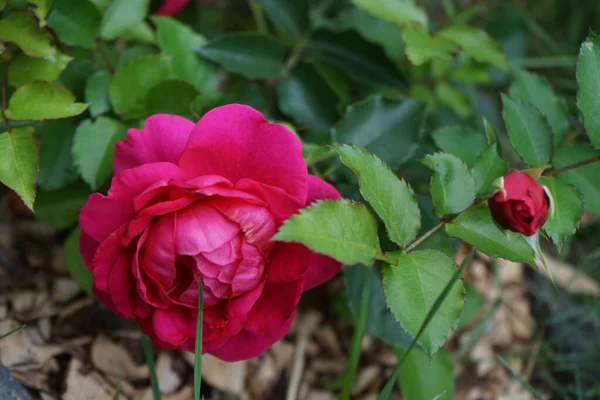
(203, 201)
(521, 205)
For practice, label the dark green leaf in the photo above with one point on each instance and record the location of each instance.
(96, 93)
(61, 207)
(452, 186)
(19, 162)
(566, 210)
(171, 97)
(399, 12)
(412, 287)
(453, 98)
(42, 100)
(121, 16)
(134, 52)
(56, 162)
(336, 81)
(24, 69)
(391, 198)
(477, 44)
(389, 128)
(465, 143)
(422, 47)
(588, 79)
(422, 378)
(252, 55)
(22, 29)
(340, 229)
(306, 98)
(94, 149)
(131, 84)
(289, 15)
(76, 22)
(74, 261)
(487, 168)
(528, 130)
(476, 226)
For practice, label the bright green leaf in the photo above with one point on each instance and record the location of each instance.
(56, 162)
(528, 130)
(24, 69)
(487, 168)
(22, 29)
(583, 178)
(76, 22)
(121, 16)
(42, 100)
(19, 162)
(74, 261)
(389, 128)
(477, 44)
(473, 305)
(567, 208)
(411, 288)
(134, 52)
(476, 226)
(535, 90)
(131, 84)
(588, 79)
(399, 12)
(391, 198)
(61, 207)
(452, 186)
(453, 99)
(96, 93)
(171, 97)
(422, 47)
(340, 229)
(422, 378)
(252, 55)
(290, 15)
(141, 32)
(94, 149)
(41, 8)
(463, 142)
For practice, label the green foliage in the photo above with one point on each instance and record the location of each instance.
(171, 96)
(24, 69)
(56, 163)
(399, 12)
(476, 226)
(477, 44)
(473, 305)
(42, 100)
(422, 378)
(465, 143)
(422, 47)
(341, 229)
(567, 208)
(19, 162)
(588, 79)
(391, 198)
(77, 22)
(22, 29)
(94, 149)
(528, 130)
(411, 288)
(61, 207)
(74, 262)
(291, 16)
(452, 186)
(96, 93)
(487, 168)
(121, 16)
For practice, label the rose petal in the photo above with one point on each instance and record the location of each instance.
(320, 270)
(174, 325)
(281, 205)
(171, 7)
(275, 306)
(318, 189)
(162, 139)
(289, 262)
(88, 247)
(236, 142)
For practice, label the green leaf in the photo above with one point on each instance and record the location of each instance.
(422, 47)
(121, 16)
(411, 288)
(588, 79)
(94, 149)
(289, 15)
(389, 128)
(141, 32)
(131, 84)
(41, 8)
(171, 97)
(528, 130)
(399, 12)
(56, 162)
(566, 211)
(380, 320)
(61, 207)
(453, 99)
(24, 69)
(487, 168)
(96, 93)
(22, 29)
(134, 52)
(42, 100)
(477, 44)
(74, 261)
(76, 22)
(473, 305)
(535, 90)
(307, 99)
(362, 61)
(340, 229)
(452, 186)
(336, 80)
(583, 178)
(391, 198)
(19, 162)
(422, 378)
(476, 226)
(178, 42)
(465, 143)
(251, 55)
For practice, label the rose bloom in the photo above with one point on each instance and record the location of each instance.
(522, 205)
(202, 201)
(171, 7)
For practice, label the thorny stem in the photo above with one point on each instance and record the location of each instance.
(426, 235)
(572, 166)
(294, 58)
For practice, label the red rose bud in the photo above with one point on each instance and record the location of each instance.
(521, 205)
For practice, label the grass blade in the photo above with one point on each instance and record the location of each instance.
(118, 391)
(387, 389)
(18, 328)
(198, 350)
(518, 377)
(151, 367)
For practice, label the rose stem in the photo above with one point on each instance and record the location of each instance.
(425, 236)
(576, 165)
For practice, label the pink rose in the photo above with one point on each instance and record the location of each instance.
(171, 7)
(203, 201)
